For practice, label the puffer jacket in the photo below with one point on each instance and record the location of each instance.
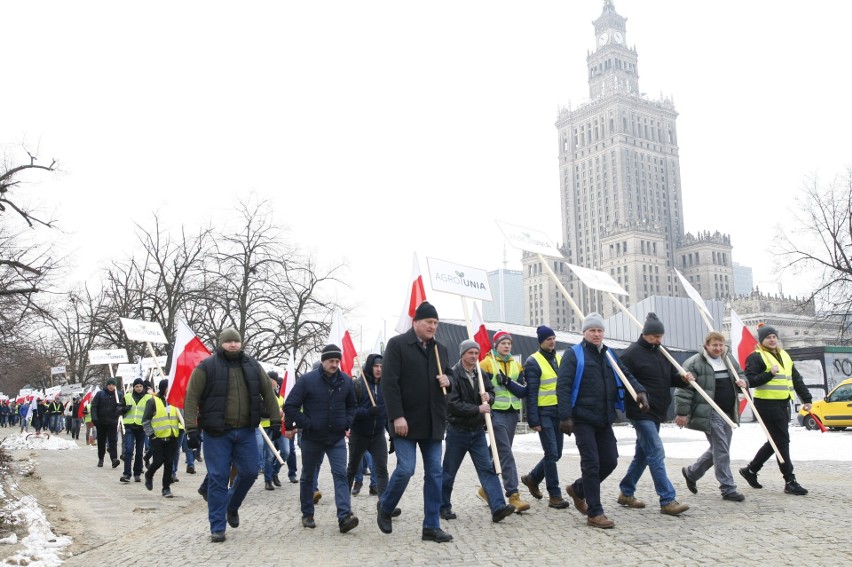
(689, 402)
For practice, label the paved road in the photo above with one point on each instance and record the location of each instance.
(117, 524)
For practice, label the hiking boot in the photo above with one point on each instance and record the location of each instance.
(600, 522)
(733, 497)
(233, 517)
(348, 522)
(632, 501)
(275, 480)
(190, 469)
(558, 503)
(436, 534)
(751, 477)
(217, 537)
(690, 484)
(167, 493)
(308, 522)
(317, 496)
(268, 485)
(673, 508)
(383, 519)
(520, 505)
(356, 488)
(793, 487)
(533, 487)
(579, 503)
(502, 513)
(480, 493)
(448, 514)
(124, 478)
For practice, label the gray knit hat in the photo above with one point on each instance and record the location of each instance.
(229, 335)
(593, 321)
(764, 331)
(653, 325)
(466, 345)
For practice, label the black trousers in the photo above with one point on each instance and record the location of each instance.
(776, 417)
(107, 434)
(162, 455)
(377, 445)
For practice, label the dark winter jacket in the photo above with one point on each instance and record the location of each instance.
(322, 406)
(367, 422)
(464, 399)
(650, 367)
(105, 409)
(598, 391)
(532, 372)
(689, 402)
(410, 387)
(757, 375)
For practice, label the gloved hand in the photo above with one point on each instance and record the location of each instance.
(193, 439)
(566, 426)
(274, 433)
(391, 449)
(642, 402)
(502, 379)
(374, 411)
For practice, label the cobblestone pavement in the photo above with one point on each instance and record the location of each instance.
(123, 524)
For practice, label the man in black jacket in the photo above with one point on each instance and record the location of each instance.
(650, 367)
(417, 411)
(105, 410)
(368, 429)
(322, 405)
(467, 407)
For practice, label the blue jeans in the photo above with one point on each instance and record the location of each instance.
(271, 466)
(312, 455)
(461, 442)
(651, 453)
(134, 438)
(406, 460)
(237, 447)
(598, 458)
(291, 460)
(366, 463)
(717, 456)
(505, 423)
(190, 453)
(551, 441)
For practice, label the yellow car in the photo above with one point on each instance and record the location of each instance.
(834, 411)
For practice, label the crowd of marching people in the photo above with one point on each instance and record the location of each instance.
(409, 398)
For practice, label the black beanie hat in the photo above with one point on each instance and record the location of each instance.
(331, 351)
(163, 386)
(139, 381)
(543, 332)
(653, 325)
(764, 330)
(110, 381)
(425, 311)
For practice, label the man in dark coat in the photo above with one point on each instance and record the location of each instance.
(368, 429)
(322, 405)
(105, 410)
(417, 413)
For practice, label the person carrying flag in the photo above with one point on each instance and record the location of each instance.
(162, 426)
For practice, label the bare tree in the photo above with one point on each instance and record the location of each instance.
(821, 244)
(11, 177)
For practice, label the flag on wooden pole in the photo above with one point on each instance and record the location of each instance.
(742, 341)
(339, 335)
(416, 295)
(480, 333)
(187, 353)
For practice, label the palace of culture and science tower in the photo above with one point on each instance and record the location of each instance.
(621, 197)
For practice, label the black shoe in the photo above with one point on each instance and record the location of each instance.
(137, 478)
(448, 514)
(147, 459)
(383, 519)
(198, 456)
(374, 491)
(149, 483)
(294, 480)
(203, 493)
(733, 497)
(793, 487)
(217, 537)
(121, 456)
(502, 513)
(275, 480)
(268, 485)
(308, 522)
(167, 493)
(175, 479)
(233, 518)
(690, 484)
(356, 488)
(436, 534)
(101, 463)
(190, 469)
(348, 522)
(751, 477)
(115, 463)
(396, 513)
(124, 479)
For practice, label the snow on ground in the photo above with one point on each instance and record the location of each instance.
(689, 444)
(40, 442)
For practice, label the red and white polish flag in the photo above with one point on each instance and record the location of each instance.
(339, 335)
(187, 353)
(480, 333)
(416, 295)
(742, 341)
(86, 399)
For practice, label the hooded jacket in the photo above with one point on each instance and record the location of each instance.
(366, 424)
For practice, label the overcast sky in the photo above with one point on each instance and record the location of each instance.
(380, 129)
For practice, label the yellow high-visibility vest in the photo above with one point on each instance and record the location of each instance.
(165, 422)
(547, 383)
(134, 416)
(503, 398)
(781, 385)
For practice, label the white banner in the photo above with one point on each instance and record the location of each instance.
(25, 392)
(529, 239)
(54, 370)
(110, 356)
(460, 280)
(126, 370)
(50, 392)
(143, 331)
(148, 363)
(595, 279)
(693, 294)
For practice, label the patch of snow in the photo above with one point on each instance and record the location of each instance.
(17, 441)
